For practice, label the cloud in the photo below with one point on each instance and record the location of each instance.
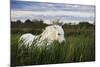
(52, 14)
(29, 10)
(37, 6)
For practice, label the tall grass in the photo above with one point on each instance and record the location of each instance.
(79, 47)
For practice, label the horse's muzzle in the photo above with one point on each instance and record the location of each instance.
(63, 42)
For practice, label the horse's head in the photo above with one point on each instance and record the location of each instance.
(54, 32)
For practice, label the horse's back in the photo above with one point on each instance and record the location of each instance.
(27, 39)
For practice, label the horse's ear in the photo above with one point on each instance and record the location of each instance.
(61, 24)
(56, 22)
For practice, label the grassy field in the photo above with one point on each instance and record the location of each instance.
(79, 47)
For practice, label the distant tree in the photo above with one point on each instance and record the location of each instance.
(41, 21)
(70, 23)
(18, 21)
(85, 24)
(28, 21)
(35, 20)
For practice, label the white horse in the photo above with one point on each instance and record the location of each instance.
(50, 34)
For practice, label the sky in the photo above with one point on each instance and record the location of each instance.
(22, 10)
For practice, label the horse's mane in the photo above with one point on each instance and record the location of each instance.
(57, 22)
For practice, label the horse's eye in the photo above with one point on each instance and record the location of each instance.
(59, 34)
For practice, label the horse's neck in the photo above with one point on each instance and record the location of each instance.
(43, 35)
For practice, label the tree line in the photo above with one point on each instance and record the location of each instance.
(40, 23)
(28, 23)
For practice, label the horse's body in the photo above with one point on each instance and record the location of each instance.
(50, 34)
(27, 39)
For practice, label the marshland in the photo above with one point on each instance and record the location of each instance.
(79, 44)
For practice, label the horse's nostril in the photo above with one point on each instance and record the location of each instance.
(63, 42)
